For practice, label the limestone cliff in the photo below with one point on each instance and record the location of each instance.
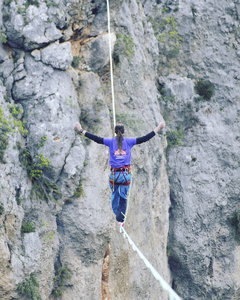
(173, 60)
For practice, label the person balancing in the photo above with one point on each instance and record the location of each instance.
(120, 164)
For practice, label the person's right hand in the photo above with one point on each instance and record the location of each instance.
(161, 125)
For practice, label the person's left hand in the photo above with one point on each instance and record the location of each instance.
(78, 126)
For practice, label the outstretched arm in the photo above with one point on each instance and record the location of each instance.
(151, 134)
(91, 136)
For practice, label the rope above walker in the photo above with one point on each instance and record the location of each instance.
(112, 88)
(111, 65)
(165, 286)
(171, 293)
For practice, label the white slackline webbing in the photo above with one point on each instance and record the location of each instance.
(172, 295)
(164, 284)
(111, 65)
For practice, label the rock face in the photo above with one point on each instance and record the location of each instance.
(173, 60)
(203, 172)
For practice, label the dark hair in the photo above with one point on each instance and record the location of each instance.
(119, 130)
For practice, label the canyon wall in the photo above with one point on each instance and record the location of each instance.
(173, 60)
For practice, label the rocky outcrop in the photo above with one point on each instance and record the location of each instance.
(33, 24)
(204, 163)
(57, 217)
(173, 60)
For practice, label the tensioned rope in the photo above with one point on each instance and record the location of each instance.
(111, 65)
(171, 293)
(112, 88)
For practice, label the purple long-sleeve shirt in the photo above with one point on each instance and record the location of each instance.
(117, 158)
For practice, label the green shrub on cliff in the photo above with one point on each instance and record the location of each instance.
(3, 147)
(42, 142)
(1, 209)
(8, 125)
(7, 2)
(28, 227)
(62, 274)
(5, 128)
(204, 88)
(235, 222)
(174, 137)
(43, 188)
(165, 30)
(31, 2)
(124, 46)
(3, 37)
(76, 61)
(79, 190)
(29, 288)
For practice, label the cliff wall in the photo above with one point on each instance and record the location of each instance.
(173, 60)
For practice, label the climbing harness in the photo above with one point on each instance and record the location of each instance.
(120, 171)
(171, 293)
(125, 168)
(116, 183)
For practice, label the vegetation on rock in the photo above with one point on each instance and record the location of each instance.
(204, 88)
(124, 46)
(28, 227)
(63, 273)
(9, 125)
(76, 61)
(79, 190)
(42, 186)
(174, 137)
(29, 288)
(1, 209)
(235, 222)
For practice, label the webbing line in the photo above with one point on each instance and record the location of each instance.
(111, 65)
(113, 98)
(165, 286)
(171, 293)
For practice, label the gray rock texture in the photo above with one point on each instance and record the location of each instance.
(59, 56)
(33, 24)
(204, 171)
(95, 53)
(56, 220)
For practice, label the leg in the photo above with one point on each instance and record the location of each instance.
(115, 197)
(120, 215)
(121, 211)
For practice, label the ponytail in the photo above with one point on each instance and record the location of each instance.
(119, 140)
(119, 130)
